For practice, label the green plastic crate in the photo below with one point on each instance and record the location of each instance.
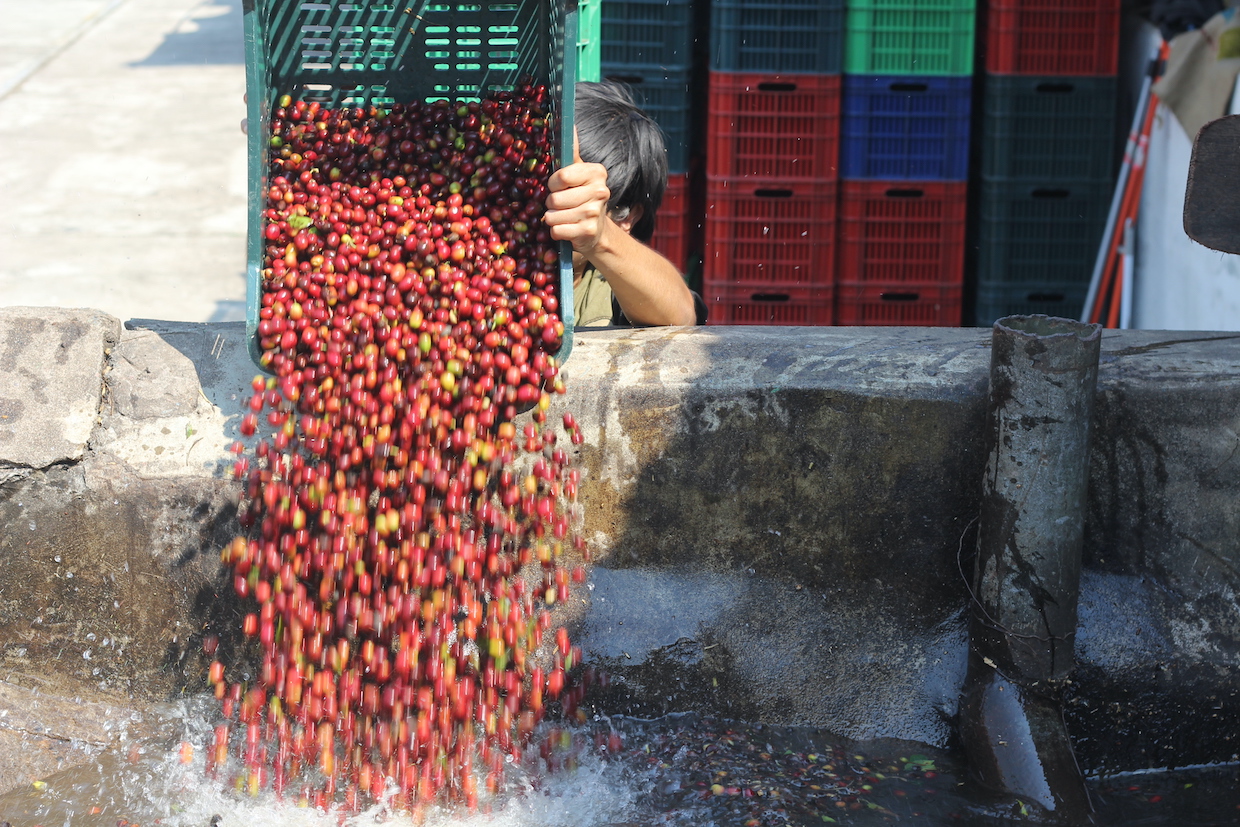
(1031, 233)
(1049, 127)
(377, 52)
(589, 40)
(996, 300)
(910, 37)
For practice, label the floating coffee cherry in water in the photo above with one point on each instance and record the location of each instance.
(406, 537)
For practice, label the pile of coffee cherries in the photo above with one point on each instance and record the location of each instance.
(405, 537)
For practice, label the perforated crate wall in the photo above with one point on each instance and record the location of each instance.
(1040, 233)
(902, 232)
(777, 36)
(803, 306)
(910, 37)
(672, 227)
(773, 127)
(647, 34)
(1042, 128)
(1053, 37)
(377, 52)
(996, 300)
(768, 236)
(914, 305)
(909, 126)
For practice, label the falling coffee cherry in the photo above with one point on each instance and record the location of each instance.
(400, 552)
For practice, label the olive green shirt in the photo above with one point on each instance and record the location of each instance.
(594, 305)
(593, 300)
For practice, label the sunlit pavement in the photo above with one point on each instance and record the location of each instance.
(123, 175)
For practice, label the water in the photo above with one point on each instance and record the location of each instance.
(680, 771)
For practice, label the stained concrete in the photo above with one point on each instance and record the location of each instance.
(780, 518)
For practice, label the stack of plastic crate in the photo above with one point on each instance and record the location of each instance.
(904, 162)
(648, 45)
(1048, 153)
(772, 155)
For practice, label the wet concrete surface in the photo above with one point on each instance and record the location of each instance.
(780, 521)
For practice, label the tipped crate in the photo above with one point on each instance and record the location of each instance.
(647, 34)
(902, 232)
(760, 235)
(663, 94)
(1053, 37)
(996, 300)
(912, 126)
(1032, 233)
(589, 40)
(672, 227)
(909, 37)
(807, 306)
(1049, 128)
(777, 36)
(782, 128)
(911, 305)
(362, 53)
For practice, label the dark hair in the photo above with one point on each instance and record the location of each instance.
(613, 131)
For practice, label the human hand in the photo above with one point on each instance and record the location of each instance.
(577, 205)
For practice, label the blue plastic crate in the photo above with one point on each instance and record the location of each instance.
(647, 33)
(664, 95)
(913, 127)
(777, 36)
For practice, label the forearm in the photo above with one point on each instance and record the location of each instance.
(649, 288)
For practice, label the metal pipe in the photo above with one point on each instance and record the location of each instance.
(1026, 580)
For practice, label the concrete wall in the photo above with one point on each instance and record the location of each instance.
(780, 519)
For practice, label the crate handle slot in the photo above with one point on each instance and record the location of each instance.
(1045, 297)
(908, 87)
(764, 193)
(770, 297)
(772, 86)
(1051, 193)
(899, 297)
(1055, 88)
(905, 193)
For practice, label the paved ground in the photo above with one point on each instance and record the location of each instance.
(123, 169)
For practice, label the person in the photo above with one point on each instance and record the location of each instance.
(604, 204)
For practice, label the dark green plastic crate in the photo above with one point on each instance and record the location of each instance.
(647, 34)
(1032, 233)
(994, 301)
(777, 36)
(910, 37)
(378, 52)
(1049, 127)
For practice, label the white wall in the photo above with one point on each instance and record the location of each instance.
(1179, 284)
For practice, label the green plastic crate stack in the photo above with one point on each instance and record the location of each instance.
(379, 52)
(648, 45)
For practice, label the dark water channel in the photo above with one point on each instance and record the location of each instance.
(682, 771)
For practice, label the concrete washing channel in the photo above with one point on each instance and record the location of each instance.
(782, 522)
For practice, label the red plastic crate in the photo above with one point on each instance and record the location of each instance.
(1053, 37)
(914, 305)
(905, 232)
(766, 235)
(775, 127)
(771, 306)
(671, 223)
